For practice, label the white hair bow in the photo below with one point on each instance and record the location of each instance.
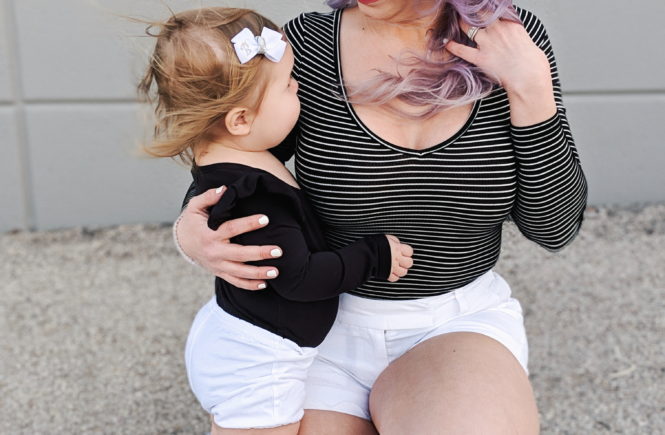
(269, 44)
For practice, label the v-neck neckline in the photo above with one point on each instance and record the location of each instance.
(359, 122)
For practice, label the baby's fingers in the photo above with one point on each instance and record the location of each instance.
(397, 273)
(400, 271)
(392, 238)
(406, 262)
(406, 250)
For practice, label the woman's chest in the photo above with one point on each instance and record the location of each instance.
(354, 177)
(417, 134)
(352, 180)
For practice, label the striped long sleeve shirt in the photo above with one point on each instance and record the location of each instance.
(448, 201)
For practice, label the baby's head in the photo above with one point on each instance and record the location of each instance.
(205, 92)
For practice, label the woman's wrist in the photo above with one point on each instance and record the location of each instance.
(183, 254)
(531, 104)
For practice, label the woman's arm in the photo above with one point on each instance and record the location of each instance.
(213, 250)
(551, 188)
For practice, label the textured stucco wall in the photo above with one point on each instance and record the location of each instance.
(70, 125)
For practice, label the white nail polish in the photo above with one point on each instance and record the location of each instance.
(272, 273)
(276, 252)
(219, 190)
(262, 286)
(263, 220)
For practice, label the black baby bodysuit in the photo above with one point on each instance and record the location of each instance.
(301, 303)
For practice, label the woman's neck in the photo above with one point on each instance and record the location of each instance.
(400, 31)
(405, 25)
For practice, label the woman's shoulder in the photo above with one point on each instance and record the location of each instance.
(312, 18)
(309, 23)
(533, 25)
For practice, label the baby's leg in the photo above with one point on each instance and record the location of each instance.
(289, 429)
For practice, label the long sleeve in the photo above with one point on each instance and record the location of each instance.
(552, 189)
(304, 275)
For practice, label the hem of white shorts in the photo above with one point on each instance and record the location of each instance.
(318, 398)
(341, 411)
(506, 341)
(272, 426)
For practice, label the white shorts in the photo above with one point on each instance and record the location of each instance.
(369, 334)
(244, 376)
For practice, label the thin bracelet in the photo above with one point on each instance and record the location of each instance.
(189, 259)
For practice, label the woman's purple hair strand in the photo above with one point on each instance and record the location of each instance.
(435, 84)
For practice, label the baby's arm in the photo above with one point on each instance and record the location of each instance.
(312, 276)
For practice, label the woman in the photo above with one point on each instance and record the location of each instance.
(434, 121)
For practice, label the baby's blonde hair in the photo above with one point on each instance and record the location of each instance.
(198, 77)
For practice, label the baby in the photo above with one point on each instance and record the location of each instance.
(225, 97)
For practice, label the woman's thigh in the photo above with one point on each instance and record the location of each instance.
(318, 422)
(455, 383)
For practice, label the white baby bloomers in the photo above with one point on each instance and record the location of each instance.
(244, 375)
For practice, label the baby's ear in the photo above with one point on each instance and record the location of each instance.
(238, 121)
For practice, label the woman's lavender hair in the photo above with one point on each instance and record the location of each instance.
(432, 83)
(339, 4)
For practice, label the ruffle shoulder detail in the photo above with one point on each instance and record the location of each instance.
(250, 185)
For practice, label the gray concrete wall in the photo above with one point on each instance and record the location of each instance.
(70, 125)
(612, 65)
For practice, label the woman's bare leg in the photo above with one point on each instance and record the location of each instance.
(456, 383)
(316, 422)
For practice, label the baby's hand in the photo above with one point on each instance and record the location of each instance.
(402, 260)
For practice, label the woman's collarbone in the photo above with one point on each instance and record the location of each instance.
(416, 134)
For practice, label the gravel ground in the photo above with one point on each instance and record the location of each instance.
(93, 323)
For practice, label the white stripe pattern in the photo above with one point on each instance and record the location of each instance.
(448, 201)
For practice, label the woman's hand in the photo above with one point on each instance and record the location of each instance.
(402, 260)
(506, 52)
(213, 250)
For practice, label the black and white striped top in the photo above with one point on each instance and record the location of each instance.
(448, 201)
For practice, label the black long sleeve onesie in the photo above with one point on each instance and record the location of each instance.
(301, 303)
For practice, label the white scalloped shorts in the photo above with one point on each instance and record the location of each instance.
(369, 334)
(246, 377)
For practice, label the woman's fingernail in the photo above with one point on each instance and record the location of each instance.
(220, 189)
(262, 286)
(263, 220)
(445, 41)
(272, 273)
(276, 252)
